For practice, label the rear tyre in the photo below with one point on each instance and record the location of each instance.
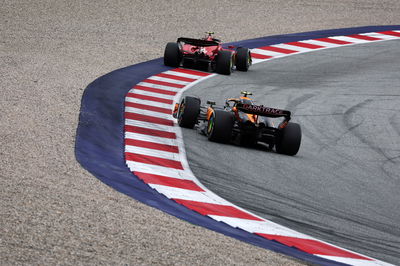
(172, 55)
(188, 112)
(220, 125)
(224, 62)
(243, 59)
(289, 139)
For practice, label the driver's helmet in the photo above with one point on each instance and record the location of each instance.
(209, 37)
(245, 100)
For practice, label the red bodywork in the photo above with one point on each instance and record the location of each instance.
(201, 49)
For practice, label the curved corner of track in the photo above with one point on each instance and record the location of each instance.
(128, 139)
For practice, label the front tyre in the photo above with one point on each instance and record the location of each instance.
(172, 55)
(220, 125)
(188, 111)
(289, 139)
(224, 62)
(243, 59)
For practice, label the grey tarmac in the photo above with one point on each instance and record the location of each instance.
(342, 186)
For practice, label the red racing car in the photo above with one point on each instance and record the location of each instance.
(206, 52)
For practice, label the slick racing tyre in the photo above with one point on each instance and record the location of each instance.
(220, 125)
(243, 59)
(188, 111)
(224, 62)
(289, 139)
(172, 55)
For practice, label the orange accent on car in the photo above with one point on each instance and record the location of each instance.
(283, 124)
(252, 118)
(175, 111)
(209, 112)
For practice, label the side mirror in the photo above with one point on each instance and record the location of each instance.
(231, 46)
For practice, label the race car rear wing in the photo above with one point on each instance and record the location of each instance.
(263, 111)
(197, 42)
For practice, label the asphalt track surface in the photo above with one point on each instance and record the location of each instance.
(52, 211)
(343, 185)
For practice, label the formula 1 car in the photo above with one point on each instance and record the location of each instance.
(241, 120)
(206, 52)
